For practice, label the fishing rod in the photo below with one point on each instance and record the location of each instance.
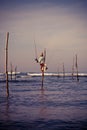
(44, 55)
(35, 51)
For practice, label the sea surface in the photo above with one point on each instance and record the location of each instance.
(61, 104)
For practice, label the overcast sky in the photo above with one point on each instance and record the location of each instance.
(60, 26)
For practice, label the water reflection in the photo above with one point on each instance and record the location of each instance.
(43, 108)
(4, 110)
(7, 109)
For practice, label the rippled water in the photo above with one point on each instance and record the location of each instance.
(60, 105)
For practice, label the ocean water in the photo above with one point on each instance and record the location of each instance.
(60, 105)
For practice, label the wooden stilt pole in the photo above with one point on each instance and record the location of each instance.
(42, 78)
(11, 70)
(73, 70)
(15, 72)
(43, 67)
(7, 86)
(63, 71)
(77, 68)
(58, 72)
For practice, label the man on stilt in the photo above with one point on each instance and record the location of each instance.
(41, 60)
(43, 66)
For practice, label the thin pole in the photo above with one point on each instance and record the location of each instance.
(43, 67)
(7, 86)
(63, 71)
(77, 68)
(35, 50)
(42, 78)
(58, 71)
(11, 70)
(73, 69)
(15, 72)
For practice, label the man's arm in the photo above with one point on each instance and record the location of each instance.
(36, 60)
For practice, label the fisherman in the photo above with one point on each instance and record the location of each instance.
(41, 60)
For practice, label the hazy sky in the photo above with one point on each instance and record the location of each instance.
(60, 26)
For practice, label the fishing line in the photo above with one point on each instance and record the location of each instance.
(35, 50)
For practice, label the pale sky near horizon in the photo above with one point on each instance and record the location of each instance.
(60, 26)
